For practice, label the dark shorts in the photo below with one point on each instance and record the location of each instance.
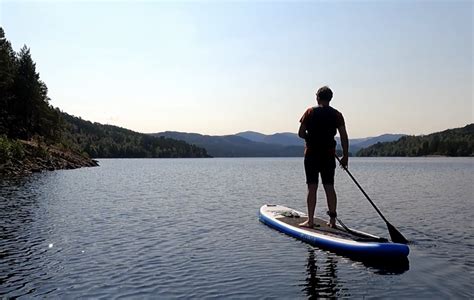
(326, 166)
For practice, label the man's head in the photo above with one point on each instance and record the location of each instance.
(324, 94)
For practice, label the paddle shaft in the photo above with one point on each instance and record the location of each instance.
(363, 192)
(395, 235)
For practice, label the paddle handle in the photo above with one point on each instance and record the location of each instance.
(362, 190)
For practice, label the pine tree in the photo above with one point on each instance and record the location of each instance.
(7, 72)
(27, 96)
(30, 108)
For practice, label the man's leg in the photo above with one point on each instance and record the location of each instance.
(311, 202)
(332, 202)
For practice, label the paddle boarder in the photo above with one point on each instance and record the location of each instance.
(318, 126)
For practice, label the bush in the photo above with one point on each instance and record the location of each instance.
(16, 150)
(42, 152)
(5, 154)
(10, 149)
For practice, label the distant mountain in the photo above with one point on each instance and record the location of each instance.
(363, 143)
(253, 136)
(233, 145)
(292, 139)
(356, 144)
(255, 144)
(284, 138)
(451, 142)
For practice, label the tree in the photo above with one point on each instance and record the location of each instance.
(8, 66)
(28, 97)
(32, 114)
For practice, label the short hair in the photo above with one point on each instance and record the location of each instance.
(324, 94)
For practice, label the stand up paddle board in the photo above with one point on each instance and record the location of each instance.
(349, 242)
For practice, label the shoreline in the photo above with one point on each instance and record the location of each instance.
(35, 157)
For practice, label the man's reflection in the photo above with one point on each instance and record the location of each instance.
(321, 280)
(322, 275)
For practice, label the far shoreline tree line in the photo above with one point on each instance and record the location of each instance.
(451, 142)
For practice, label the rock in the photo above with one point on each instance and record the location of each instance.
(55, 159)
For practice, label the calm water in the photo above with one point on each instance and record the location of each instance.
(189, 228)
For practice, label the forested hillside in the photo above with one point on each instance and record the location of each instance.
(451, 142)
(107, 141)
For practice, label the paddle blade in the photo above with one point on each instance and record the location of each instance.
(395, 235)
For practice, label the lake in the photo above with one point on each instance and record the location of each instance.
(188, 228)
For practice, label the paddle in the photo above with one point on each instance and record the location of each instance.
(395, 235)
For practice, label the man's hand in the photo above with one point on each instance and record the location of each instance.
(344, 161)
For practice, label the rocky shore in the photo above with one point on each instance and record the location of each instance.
(38, 158)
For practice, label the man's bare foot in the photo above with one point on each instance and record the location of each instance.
(306, 224)
(332, 224)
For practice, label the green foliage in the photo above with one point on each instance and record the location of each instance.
(17, 151)
(4, 150)
(10, 150)
(451, 142)
(8, 65)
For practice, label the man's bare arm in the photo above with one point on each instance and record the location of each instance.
(302, 131)
(344, 144)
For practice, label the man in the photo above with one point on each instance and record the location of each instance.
(318, 128)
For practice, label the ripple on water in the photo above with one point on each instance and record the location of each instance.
(189, 229)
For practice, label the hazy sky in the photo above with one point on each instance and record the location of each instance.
(221, 67)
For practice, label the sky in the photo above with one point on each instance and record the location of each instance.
(222, 67)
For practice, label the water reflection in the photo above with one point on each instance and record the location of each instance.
(321, 280)
(322, 275)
